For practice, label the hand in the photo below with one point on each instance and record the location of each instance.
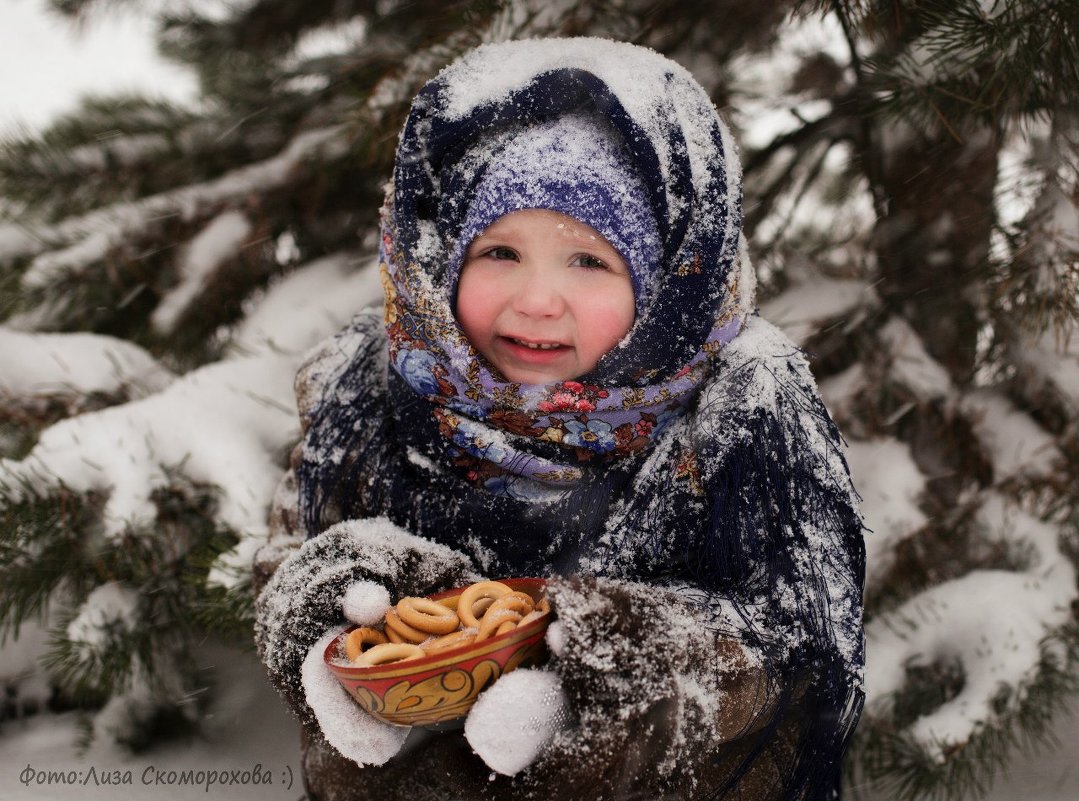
(352, 570)
(513, 720)
(654, 690)
(348, 728)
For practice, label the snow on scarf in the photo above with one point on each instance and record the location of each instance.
(732, 485)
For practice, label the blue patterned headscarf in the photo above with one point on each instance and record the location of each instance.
(669, 135)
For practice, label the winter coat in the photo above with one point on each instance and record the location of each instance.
(706, 567)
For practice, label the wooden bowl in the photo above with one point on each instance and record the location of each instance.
(435, 689)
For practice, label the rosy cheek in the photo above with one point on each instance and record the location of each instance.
(617, 313)
(474, 307)
(611, 330)
(470, 319)
(607, 324)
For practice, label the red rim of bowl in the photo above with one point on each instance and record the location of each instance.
(333, 648)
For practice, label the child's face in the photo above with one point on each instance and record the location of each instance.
(543, 296)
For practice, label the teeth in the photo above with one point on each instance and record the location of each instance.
(538, 345)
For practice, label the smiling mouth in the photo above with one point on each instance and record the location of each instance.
(536, 345)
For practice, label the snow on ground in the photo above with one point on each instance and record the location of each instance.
(249, 727)
(248, 732)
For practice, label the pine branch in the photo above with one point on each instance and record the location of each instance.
(884, 759)
(41, 550)
(869, 153)
(806, 177)
(1035, 285)
(124, 148)
(50, 553)
(970, 68)
(111, 280)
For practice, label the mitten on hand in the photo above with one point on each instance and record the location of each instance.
(514, 719)
(304, 597)
(652, 685)
(348, 728)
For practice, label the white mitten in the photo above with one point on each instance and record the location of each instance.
(357, 735)
(513, 720)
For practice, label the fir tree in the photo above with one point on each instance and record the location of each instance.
(914, 221)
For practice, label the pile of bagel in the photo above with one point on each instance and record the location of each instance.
(419, 627)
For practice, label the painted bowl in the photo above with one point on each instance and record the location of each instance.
(434, 690)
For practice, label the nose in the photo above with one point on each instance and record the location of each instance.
(539, 293)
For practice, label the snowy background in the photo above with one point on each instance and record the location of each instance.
(44, 67)
(45, 64)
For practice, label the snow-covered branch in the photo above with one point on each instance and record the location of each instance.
(807, 308)
(72, 244)
(227, 425)
(891, 487)
(991, 624)
(74, 365)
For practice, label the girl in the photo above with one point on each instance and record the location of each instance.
(567, 382)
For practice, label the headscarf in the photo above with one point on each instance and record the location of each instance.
(677, 224)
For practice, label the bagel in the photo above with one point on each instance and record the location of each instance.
(454, 639)
(479, 590)
(388, 653)
(358, 638)
(493, 621)
(397, 631)
(427, 616)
